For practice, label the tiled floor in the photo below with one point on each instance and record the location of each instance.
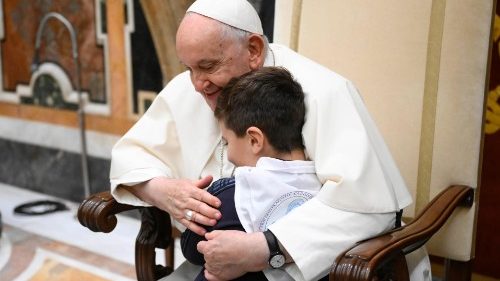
(29, 240)
(34, 255)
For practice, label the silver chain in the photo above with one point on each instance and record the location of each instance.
(221, 145)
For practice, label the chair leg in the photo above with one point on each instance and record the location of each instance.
(457, 270)
(169, 252)
(169, 255)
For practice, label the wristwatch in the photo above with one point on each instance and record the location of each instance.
(276, 257)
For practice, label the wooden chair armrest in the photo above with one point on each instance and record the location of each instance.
(381, 256)
(98, 211)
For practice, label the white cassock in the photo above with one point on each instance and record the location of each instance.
(178, 137)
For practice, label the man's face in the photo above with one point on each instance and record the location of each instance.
(239, 149)
(211, 59)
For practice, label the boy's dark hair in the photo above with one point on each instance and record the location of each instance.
(269, 99)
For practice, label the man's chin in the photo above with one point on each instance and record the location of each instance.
(212, 106)
(211, 100)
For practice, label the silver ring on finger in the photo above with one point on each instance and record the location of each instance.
(189, 215)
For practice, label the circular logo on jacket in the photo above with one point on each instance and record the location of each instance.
(282, 206)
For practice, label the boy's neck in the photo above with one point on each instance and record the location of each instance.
(296, 154)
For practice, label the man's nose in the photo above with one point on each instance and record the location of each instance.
(199, 81)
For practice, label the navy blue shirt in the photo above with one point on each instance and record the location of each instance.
(224, 190)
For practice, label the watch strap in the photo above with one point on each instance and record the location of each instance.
(272, 243)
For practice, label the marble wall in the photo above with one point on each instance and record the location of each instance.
(21, 23)
(126, 53)
(40, 144)
(50, 171)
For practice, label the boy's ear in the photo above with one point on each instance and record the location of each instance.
(256, 139)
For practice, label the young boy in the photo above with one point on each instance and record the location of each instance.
(260, 115)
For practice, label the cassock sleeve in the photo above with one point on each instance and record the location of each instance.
(318, 233)
(175, 138)
(350, 156)
(149, 149)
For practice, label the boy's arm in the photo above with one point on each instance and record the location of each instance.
(189, 240)
(224, 190)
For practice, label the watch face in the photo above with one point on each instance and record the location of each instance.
(277, 261)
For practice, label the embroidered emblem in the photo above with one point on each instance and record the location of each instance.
(282, 206)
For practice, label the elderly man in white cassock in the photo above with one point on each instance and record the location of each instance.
(175, 150)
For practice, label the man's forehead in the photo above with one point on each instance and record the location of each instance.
(204, 55)
(207, 43)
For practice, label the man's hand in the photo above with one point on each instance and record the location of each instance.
(231, 253)
(178, 196)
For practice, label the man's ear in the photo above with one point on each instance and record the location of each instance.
(256, 139)
(256, 49)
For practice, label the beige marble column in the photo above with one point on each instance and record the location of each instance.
(163, 18)
(115, 21)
